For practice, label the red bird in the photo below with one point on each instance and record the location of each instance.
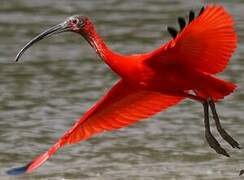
(182, 68)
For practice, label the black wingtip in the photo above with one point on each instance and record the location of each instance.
(172, 31)
(201, 11)
(182, 23)
(191, 16)
(17, 171)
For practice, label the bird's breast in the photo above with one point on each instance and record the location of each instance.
(167, 78)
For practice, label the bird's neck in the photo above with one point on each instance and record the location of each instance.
(107, 55)
(124, 66)
(99, 45)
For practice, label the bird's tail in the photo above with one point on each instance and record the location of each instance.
(216, 88)
(36, 162)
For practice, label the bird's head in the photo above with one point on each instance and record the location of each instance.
(76, 23)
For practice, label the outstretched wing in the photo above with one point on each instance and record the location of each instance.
(123, 105)
(206, 44)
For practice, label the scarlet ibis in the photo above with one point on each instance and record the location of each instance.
(182, 68)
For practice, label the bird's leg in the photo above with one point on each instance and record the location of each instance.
(213, 143)
(221, 130)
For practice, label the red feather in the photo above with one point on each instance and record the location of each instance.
(122, 106)
(206, 44)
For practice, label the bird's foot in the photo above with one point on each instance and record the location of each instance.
(213, 143)
(221, 130)
(228, 138)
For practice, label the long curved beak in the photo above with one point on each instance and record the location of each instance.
(63, 27)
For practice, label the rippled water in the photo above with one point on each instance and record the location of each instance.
(56, 82)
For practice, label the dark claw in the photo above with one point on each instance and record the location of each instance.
(221, 131)
(182, 23)
(172, 31)
(191, 16)
(201, 11)
(213, 143)
(229, 139)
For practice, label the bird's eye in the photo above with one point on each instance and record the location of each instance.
(75, 21)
